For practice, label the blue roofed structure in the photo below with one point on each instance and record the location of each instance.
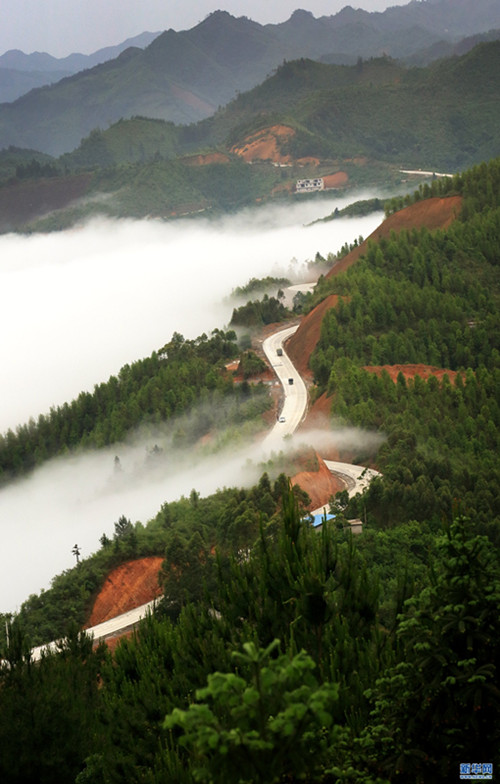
(319, 519)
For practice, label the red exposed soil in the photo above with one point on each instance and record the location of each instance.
(318, 413)
(318, 419)
(113, 642)
(319, 485)
(337, 180)
(265, 145)
(126, 587)
(410, 371)
(302, 344)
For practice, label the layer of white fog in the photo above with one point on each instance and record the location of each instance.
(78, 305)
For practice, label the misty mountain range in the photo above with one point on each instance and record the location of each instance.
(362, 123)
(20, 72)
(185, 76)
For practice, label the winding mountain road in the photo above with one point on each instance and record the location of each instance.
(356, 478)
(295, 402)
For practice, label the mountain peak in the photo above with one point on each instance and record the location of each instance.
(300, 14)
(218, 16)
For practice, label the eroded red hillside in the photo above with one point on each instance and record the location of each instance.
(265, 145)
(128, 586)
(320, 485)
(302, 344)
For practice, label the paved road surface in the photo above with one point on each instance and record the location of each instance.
(121, 623)
(295, 402)
(356, 479)
(291, 291)
(425, 173)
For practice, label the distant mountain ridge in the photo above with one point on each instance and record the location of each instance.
(41, 61)
(347, 124)
(20, 72)
(185, 76)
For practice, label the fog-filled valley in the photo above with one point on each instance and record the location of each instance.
(77, 306)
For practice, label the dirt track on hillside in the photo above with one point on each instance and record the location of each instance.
(301, 345)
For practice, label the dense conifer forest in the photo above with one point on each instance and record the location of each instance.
(149, 391)
(283, 654)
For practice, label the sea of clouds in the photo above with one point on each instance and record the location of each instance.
(77, 306)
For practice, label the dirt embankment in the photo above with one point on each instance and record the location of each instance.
(128, 586)
(336, 180)
(302, 344)
(266, 145)
(319, 485)
(318, 419)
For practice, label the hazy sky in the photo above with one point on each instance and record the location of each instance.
(79, 304)
(61, 27)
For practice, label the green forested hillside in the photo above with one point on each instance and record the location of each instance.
(433, 299)
(316, 658)
(284, 654)
(136, 140)
(184, 375)
(442, 116)
(445, 117)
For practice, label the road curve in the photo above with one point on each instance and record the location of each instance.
(356, 478)
(295, 400)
